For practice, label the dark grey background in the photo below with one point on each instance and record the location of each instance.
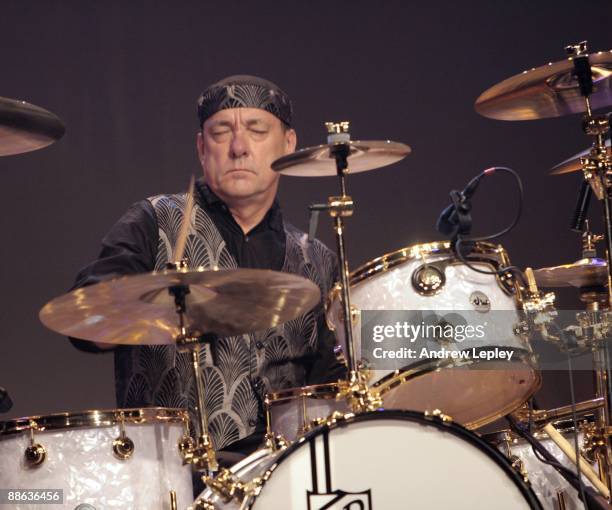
(124, 77)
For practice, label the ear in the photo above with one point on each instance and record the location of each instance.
(290, 141)
(200, 147)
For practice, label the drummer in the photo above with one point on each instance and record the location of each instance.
(245, 124)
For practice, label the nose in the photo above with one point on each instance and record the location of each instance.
(239, 146)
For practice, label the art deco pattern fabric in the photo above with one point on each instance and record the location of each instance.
(237, 371)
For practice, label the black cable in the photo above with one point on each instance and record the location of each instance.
(457, 244)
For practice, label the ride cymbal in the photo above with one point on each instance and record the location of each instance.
(548, 91)
(25, 127)
(364, 155)
(139, 309)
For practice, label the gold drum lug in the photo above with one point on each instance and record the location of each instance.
(35, 455)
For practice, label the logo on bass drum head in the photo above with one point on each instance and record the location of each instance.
(340, 500)
(323, 496)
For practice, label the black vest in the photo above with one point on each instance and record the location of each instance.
(236, 371)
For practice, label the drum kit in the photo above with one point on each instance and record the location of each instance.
(379, 438)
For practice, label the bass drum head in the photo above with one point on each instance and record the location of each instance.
(392, 460)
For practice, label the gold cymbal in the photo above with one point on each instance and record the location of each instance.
(138, 309)
(25, 127)
(573, 164)
(547, 91)
(364, 156)
(588, 272)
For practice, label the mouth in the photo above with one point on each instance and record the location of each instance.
(236, 170)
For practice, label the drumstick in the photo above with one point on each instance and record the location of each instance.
(531, 281)
(182, 237)
(585, 467)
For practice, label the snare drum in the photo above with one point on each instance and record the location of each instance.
(380, 460)
(290, 413)
(121, 458)
(430, 277)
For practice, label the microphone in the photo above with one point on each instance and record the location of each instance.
(455, 219)
(5, 401)
(582, 206)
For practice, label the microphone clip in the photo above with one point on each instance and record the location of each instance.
(456, 219)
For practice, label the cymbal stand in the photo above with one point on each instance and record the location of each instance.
(199, 451)
(597, 167)
(354, 388)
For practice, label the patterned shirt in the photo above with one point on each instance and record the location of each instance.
(237, 371)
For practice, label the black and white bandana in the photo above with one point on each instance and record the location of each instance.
(243, 91)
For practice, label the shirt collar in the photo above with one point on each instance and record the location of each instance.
(206, 197)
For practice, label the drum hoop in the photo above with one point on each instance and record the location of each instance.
(490, 253)
(325, 391)
(413, 416)
(564, 426)
(94, 418)
(398, 377)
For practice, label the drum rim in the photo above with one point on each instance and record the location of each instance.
(563, 426)
(325, 391)
(389, 260)
(453, 428)
(93, 419)
(403, 375)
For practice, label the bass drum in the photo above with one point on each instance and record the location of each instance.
(384, 460)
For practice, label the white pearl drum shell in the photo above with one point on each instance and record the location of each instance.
(473, 395)
(80, 461)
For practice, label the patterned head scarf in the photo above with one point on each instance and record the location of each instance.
(243, 91)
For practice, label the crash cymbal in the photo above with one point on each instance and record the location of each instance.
(364, 156)
(588, 272)
(25, 127)
(139, 309)
(573, 164)
(547, 91)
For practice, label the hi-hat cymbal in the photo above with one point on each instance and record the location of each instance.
(139, 309)
(588, 272)
(547, 91)
(573, 164)
(25, 127)
(364, 156)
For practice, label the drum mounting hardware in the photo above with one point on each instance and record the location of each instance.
(428, 279)
(228, 487)
(275, 442)
(436, 413)
(517, 463)
(35, 454)
(334, 418)
(357, 393)
(123, 446)
(204, 504)
(592, 442)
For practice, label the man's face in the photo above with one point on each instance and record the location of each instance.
(236, 148)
